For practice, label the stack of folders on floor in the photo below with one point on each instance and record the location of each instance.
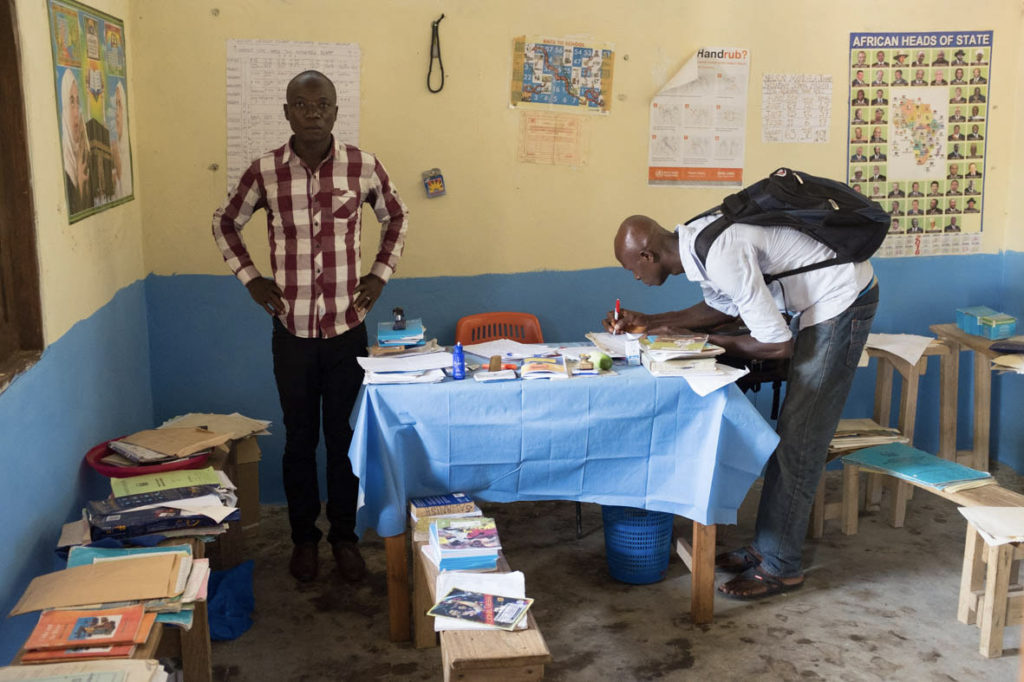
(463, 544)
(114, 670)
(144, 509)
(165, 581)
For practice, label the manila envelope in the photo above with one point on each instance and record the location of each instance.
(147, 577)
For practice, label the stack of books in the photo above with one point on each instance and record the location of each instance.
(411, 335)
(176, 503)
(854, 434)
(447, 505)
(463, 544)
(680, 355)
(88, 634)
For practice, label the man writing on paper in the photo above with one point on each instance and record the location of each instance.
(833, 307)
(313, 189)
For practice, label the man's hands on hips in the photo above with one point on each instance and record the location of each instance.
(368, 291)
(267, 295)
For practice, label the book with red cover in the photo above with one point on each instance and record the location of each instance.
(70, 629)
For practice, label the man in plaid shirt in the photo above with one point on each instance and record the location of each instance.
(313, 189)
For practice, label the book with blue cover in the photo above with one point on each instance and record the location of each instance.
(918, 466)
(412, 335)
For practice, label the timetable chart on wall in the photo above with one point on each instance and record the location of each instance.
(918, 134)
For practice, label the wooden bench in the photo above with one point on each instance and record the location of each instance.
(474, 655)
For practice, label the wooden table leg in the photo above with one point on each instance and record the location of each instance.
(702, 596)
(196, 651)
(982, 410)
(398, 587)
(948, 385)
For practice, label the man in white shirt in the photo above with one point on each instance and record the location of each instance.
(833, 308)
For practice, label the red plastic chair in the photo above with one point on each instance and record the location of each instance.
(521, 327)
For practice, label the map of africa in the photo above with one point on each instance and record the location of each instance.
(919, 131)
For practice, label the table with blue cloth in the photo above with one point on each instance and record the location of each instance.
(628, 440)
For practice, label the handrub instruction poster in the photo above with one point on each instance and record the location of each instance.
(918, 113)
(698, 122)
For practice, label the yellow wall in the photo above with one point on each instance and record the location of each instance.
(82, 265)
(497, 209)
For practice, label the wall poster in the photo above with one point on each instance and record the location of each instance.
(90, 76)
(917, 136)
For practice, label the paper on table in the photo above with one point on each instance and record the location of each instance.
(910, 347)
(506, 584)
(179, 442)
(407, 363)
(430, 376)
(998, 525)
(509, 349)
(612, 344)
(703, 384)
(121, 670)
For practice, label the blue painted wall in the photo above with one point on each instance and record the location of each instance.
(209, 350)
(91, 385)
(211, 344)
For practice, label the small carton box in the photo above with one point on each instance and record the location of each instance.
(240, 460)
(967, 319)
(998, 326)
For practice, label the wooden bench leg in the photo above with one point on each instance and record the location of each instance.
(398, 587)
(422, 625)
(816, 528)
(971, 576)
(993, 611)
(702, 596)
(898, 504)
(873, 492)
(851, 495)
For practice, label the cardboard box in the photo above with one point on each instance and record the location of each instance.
(240, 460)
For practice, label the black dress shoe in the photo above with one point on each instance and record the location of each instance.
(350, 561)
(304, 563)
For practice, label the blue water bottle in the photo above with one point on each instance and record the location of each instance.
(458, 362)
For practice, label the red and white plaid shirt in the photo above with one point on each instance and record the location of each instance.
(313, 223)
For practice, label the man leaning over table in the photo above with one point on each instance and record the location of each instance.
(313, 188)
(833, 306)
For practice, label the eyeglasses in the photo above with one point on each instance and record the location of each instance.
(305, 107)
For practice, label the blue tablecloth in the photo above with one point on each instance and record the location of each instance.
(629, 440)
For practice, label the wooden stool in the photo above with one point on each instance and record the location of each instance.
(990, 595)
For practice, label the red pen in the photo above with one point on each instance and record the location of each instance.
(618, 309)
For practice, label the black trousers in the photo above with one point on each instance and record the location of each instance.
(314, 377)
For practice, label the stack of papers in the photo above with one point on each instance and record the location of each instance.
(122, 670)
(919, 467)
(153, 446)
(406, 369)
(511, 584)
(544, 368)
(236, 425)
(507, 349)
(412, 335)
(997, 525)
(666, 347)
(1009, 363)
(854, 434)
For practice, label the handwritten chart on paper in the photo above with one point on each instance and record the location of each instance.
(258, 72)
(795, 107)
(698, 121)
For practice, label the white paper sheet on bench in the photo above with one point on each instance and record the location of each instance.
(910, 347)
(997, 525)
(511, 584)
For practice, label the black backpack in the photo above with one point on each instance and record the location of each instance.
(831, 212)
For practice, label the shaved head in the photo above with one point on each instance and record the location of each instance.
(307, 77)
(647, 249)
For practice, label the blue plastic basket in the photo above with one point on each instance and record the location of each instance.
(638, 544)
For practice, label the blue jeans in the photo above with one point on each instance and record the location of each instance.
(821, 371)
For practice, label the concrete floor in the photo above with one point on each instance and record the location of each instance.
(880, 605)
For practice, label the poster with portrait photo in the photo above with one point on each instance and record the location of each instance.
(918, 109)
(90, 75)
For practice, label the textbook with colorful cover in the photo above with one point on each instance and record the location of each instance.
(546, 367)
(461, 537)
(920, 467)
(671, 346)
(66, 629)
(438, 505)
(487, 609)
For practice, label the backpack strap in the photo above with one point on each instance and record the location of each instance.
(702, 244)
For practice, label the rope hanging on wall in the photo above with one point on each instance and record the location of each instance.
(435, 53)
